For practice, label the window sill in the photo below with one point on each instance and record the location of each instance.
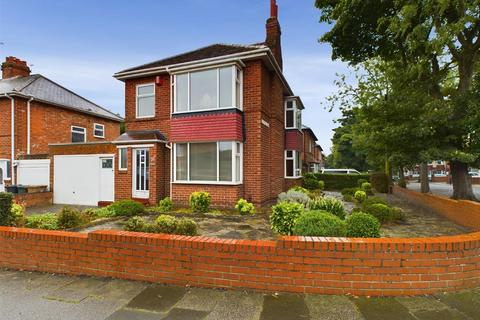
(209, 183)
(299, 177)
(143, 119)
(205, 111)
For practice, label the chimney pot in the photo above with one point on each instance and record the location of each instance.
(13, 67)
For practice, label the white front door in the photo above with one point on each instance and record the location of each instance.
(107, 179)
(141, 176)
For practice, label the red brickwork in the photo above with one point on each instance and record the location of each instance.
(34, 199)
(294, 140)
(223, 196)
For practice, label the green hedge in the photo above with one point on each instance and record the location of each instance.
(341, 181)
(380, 182)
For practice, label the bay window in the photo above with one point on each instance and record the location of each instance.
(217, 88)
(209, 162)
(293, 115)
(292, 164)
(145, 96)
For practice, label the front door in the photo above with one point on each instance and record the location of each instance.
(141, 176)
(107, 192)
(3, 175)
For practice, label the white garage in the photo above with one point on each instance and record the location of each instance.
(83, 179)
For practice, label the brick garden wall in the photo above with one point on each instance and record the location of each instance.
(34, 199)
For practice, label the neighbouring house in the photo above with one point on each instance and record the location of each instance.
(221, 119)
(312, 152)
(35, 112)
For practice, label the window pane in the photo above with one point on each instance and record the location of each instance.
(78, 137)
(8, 173)
(181, 162)
(203, 161)
(237, 168)
(299, 119)
(238, 93)
(181, 86)
(226, 78)
(290, 120)
(289, 104)
(145, 106)
(289, 167)
(203, 87)
(123, 158)
(145, 90)
(107, 163)
(225, 153)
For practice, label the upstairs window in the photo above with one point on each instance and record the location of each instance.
(145, 101)
(98, 130)
(79, 134)
(293, 115)
(218, 88)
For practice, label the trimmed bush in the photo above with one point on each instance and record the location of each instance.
(397, 214)
(69, 218)
(6, 216)
(329, 204)
(200, 201)
(104, 212)
(380, 211)
(319, 224)
(367, 187)
(360, 196)
(321, 185)
(311, 182)
(165, 205)
(245, 208)
(186, 227)
(18, 212)
(299, 189)
(284, 215)
(294, 196)
(47, 221)
(360, 182)
(166, 224)
(362, 225)
(341, 181)
(380, 182)
(136, 224)
(127, 208)
(373, 200)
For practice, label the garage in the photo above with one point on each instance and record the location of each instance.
(83, 179)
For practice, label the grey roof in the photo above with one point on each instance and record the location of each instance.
(44, 89)
(141, 135)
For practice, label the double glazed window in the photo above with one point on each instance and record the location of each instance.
(98, 130)
(218, 88)
(292, 164)
(122, 159)
(208, 162)
(79, 134)
(145, 100)
(293, 115)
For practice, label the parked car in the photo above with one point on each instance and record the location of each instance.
(474, 174)
(340, 171)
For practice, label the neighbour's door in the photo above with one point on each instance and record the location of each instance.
(107, 192)
(141, 176)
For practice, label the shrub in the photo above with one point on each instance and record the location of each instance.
(104, 212)
(362, 225)
(367, 187)
(360, 182)
(321, 185)
(397, 214)
(348, 194)
(294, 196)
(245, 207)
(360, 196)
(136, 224)
(200, 201)
(380, 211)
(373, 200)
(341, 181)
(310, 182)
(284, 215)
(47, 221)
(165, 224)
(165, 205)
(402, 183)
(299, 189)
(6, 216)
(69, 218)
(329, 204)
(128, 208)
(380, 182)
(18, 212)
(186, 227)
(319, 224)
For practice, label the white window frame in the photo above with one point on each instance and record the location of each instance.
(120, 168)
(234, 157)
(297, 168)
(84, 133)
(7, 174)
(237, 77)
(297, 115)
(102, 129)
(143, 96)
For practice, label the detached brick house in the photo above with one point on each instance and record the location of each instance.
(35, 112)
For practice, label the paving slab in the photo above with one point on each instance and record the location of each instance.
(157, 298)
(185, 314)
(118, 290)
(200, 299)
(284, 306)
(382, 309)
(77, 290)
(237, 306)
(430, 308)
(468, 302)
(128, 314)
(332, 308)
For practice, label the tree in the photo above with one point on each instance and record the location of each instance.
(438, 39)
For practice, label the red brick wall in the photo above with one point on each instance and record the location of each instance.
(223, 196)
(293, 140)
(367, 267)
(34, 199)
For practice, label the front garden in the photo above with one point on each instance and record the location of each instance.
(358, 210)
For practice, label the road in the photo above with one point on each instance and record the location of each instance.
(441, 189)
(31, 296)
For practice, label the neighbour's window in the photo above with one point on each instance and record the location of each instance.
(217, 88)
(122, 159)
(79, 134)
(292, 164)
(293, 115)
(146, 100)
(98, 130)
(208, 162)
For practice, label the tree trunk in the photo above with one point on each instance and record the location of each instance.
(424, 184)
(402, 183)
(462, 182)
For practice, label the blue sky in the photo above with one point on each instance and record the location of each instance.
(80, 44)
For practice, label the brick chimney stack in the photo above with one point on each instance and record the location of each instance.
(13, 67)
(274, 33)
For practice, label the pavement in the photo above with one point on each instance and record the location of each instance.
(441, 189)
(31, 295)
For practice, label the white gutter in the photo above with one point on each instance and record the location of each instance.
(12, 132)
(28, 124)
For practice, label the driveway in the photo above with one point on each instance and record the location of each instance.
(29, 296)
(441, 189)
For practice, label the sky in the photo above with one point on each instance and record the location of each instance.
(81, 44)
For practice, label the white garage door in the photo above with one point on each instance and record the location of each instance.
(33, 172)
(83, 179)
